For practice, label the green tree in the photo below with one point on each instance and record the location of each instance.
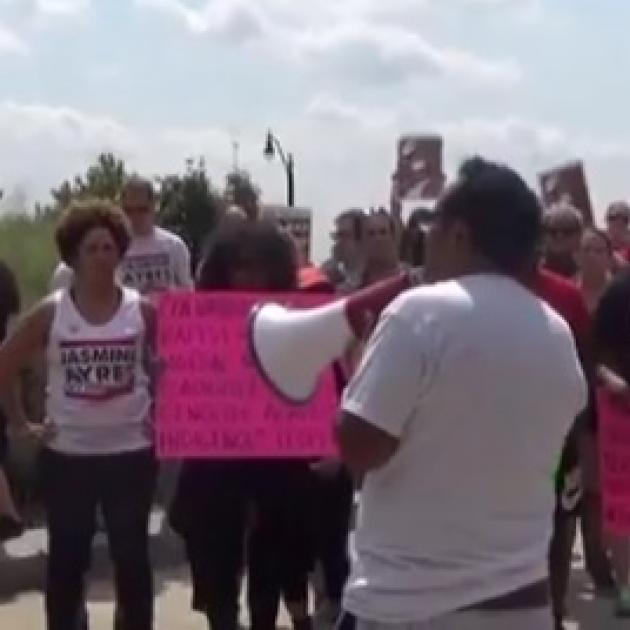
(242, 192)
(103, 179)
(190, 206)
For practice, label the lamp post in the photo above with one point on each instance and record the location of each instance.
(273, 146)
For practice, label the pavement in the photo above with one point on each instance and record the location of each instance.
(22, 567)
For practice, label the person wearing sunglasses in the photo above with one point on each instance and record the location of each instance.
(563, 227)
(382, 252)
(618, 229)
(157, 259)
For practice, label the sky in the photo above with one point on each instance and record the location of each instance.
(533, 83)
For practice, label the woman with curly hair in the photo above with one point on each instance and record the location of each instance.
(98, 340)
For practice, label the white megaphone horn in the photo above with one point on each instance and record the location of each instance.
(291, 347)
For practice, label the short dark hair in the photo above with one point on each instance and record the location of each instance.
(381, 212)
(82, 216)
(135, 182)
(357, 217)
(503, 215)
(258, 244)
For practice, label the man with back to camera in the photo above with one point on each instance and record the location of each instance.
(456, 416)
(157, 259)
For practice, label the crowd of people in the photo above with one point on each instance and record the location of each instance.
(458, 408)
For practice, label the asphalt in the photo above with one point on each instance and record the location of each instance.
(22, 565)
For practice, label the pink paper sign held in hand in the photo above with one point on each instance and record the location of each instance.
(614, 447)
(212, 403)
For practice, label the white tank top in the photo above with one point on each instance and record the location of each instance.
(98, 399)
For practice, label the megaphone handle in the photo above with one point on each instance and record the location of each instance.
(364, 308)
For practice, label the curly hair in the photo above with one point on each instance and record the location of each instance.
(258, 245)
(82, 216)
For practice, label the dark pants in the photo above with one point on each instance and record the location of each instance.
(215, 506)
(279, 549)
(334, 501)
(74, 487)
(595, 557)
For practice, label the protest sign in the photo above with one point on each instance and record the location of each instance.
(419, 172)
(614, 447)
(211, 401)
(567, 183)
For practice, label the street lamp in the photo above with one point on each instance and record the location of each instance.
(273, 146)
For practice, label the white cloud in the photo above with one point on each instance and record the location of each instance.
(42, 145)
(234, 20)
(328, 109)
(61, 7)
(344, 151)
(370, 53)
(343, 40)
(363, 150)
(11, 42)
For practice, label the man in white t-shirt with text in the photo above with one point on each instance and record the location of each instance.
(456, 416)
(157, 259)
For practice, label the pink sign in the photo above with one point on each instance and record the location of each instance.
(614, 439)
(212, 403)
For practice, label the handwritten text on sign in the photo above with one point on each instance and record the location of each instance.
(211, 400)
(614, 436)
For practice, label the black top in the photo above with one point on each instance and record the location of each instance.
(611, 325)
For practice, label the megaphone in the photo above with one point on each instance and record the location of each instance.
(291, 347)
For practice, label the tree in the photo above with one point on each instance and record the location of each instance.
(103, 179)
(241, 191)
(189, 206)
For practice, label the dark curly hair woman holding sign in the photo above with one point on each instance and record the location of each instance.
(98, 340)
(222, 504)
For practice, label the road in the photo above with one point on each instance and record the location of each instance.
(22, 574)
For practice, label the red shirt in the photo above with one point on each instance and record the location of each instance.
(313, 280)
(566, 298)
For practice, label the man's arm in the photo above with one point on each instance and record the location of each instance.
(383, 394)
(363, 446)
(183, 271)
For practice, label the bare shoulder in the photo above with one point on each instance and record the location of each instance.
(34, 326)
(43, 313)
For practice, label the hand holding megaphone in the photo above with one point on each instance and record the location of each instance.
(292, 347)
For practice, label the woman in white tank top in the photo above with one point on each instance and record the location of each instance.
(98, 339)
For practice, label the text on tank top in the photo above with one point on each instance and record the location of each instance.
(98, 390)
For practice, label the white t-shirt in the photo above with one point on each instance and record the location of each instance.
(97, 394)
(152, 264)
(480, 381)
